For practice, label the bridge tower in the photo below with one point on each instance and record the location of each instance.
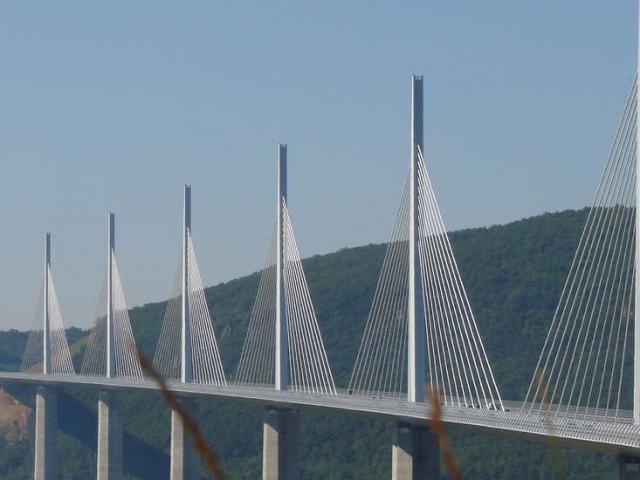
(46, 340)
(110, 351)
(630, 465)
(184, 464)
(282, 343)
(46, 417)
(186, 365)
(636, 343)
(280, 427)
(414, 449)
(415, 308)
(109, 449)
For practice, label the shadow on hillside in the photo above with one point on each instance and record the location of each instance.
(142, 460)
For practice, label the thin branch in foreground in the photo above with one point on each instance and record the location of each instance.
(556, 456)
(438, 428)
(200, 445)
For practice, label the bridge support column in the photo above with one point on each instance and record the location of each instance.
(110, 454)
(629, 467)
(44, 467)
(280, 441)
(415, 454)
(185, 463)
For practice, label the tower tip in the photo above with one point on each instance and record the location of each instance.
(282, 153)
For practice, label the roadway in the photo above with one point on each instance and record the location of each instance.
(591, 429)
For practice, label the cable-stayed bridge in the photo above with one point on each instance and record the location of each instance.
(421, 348)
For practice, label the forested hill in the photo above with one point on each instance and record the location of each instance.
(513, 274)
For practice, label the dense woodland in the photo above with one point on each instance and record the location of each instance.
(513, 274)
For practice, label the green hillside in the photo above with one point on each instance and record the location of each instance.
(513, 274)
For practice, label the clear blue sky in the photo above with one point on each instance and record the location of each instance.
(115, 105)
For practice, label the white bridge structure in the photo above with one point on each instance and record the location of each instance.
(421, 343)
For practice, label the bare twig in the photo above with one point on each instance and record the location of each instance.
(199, 443)
(556, 457)
(438, 428)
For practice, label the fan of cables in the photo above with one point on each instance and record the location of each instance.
(309, 369)
(585, 364)
(458, 367)
(125, 352)
(206, 364)
(60, 362)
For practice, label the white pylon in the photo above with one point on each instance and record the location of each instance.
(111, 363)
(46, 338)
(416, 336)
(186, 372)
(636, 319)
(282, 341)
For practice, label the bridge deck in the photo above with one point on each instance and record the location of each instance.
(617, 434)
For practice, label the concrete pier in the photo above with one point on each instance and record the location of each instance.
(279, 445)
(415, 454)
(185, 463)
(46, 423)
(629, 467)
(110, 465)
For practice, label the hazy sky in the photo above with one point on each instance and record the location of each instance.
(115, 105)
